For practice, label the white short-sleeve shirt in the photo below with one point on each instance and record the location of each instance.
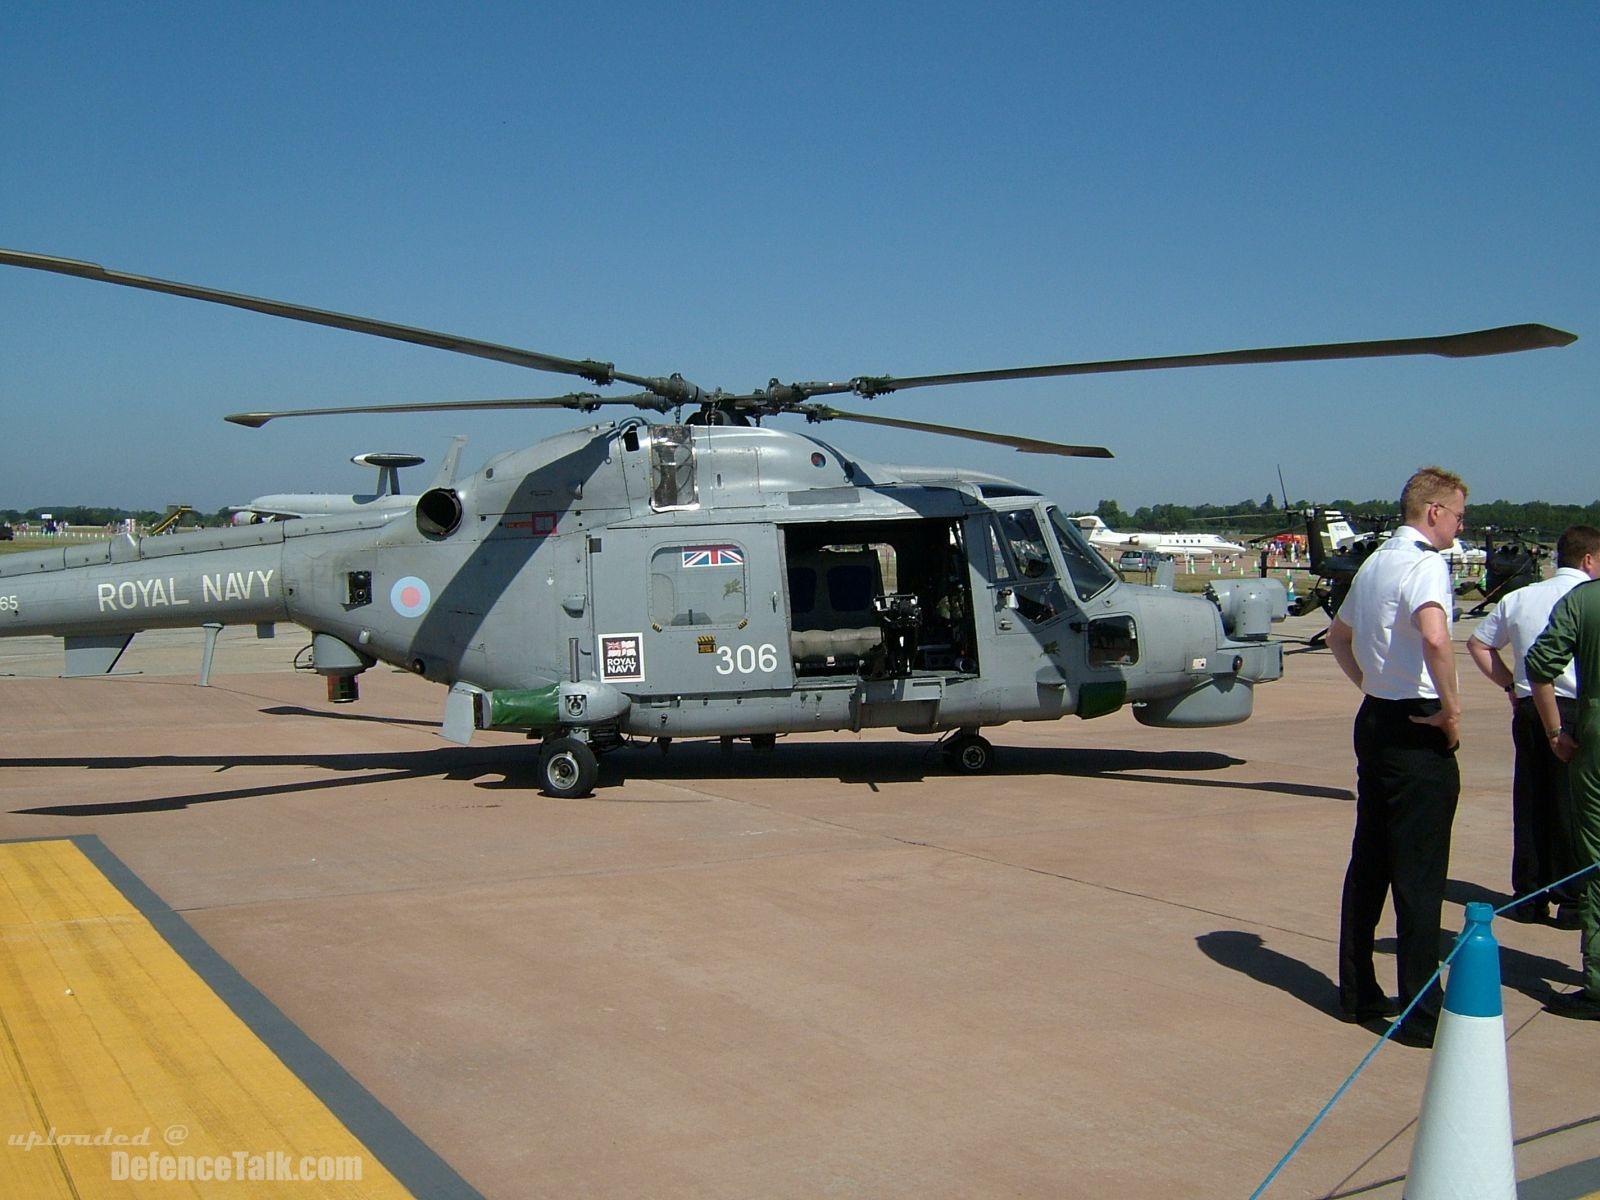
(1402, 575)
(1519, 619)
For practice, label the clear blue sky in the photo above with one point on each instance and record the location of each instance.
(812, 191)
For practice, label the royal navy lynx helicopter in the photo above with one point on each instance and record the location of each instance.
(702, 575)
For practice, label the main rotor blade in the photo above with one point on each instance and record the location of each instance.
(1507, 339)
(582, 401)
(824, 412)
(595, 372)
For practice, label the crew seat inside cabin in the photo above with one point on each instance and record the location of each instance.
(830, 594)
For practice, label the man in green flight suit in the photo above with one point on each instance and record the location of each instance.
(1574, 633)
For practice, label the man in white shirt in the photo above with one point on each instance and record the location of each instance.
(1542, 847)
(1391, 638)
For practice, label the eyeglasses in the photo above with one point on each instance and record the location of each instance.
(1461, 518)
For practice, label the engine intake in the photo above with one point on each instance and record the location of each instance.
(439, 512)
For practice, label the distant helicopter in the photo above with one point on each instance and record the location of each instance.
(1336, 553)
(1515, 562)
(702, 576)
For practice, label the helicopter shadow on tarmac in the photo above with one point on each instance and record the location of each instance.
(451, 763)
(511, 768)
(873, 763)
(294, 710)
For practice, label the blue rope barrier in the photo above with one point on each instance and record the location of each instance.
(1389, 1033)
(1351, 1078)
(1578, 874)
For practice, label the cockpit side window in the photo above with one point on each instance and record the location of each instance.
(1089, 572)
(1022, 558)
(1020, 530)
(1002, 561)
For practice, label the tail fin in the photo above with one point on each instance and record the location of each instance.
(452, 457)
(1322, 540)
(1340, 535)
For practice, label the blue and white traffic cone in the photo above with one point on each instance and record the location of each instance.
(1463, 1146)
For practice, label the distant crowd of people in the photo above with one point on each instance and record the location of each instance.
(59, 528)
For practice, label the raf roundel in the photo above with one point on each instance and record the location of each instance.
(410, 596)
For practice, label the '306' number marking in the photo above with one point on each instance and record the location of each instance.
(747, 660)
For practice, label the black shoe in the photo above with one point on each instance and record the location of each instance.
(1580, 1006)
(1567, 917)
(1381, 1011)
(1414, 1033)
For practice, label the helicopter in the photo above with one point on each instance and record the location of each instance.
(1336, 552)
(1516, 562)
(702, 575)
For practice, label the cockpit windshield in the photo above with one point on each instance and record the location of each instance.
(1090, 573)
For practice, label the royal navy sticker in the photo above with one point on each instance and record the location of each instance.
(410, 597)
(622, 657)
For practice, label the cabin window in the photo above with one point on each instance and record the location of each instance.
(697, 585)
(672, 480)
(1113, 642)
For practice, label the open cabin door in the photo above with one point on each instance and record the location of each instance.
(883, 598)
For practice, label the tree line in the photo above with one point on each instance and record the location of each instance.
(1253, 517)
(91, 515)
(1535, 517)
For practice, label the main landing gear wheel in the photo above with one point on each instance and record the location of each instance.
(567, 768)
(969, 754)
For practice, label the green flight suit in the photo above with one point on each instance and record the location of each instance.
(1574, 633)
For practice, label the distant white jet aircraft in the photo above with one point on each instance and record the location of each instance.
(1181, 545)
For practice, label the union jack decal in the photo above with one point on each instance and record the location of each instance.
(713, 556)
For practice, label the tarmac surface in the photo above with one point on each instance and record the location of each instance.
(830, 970)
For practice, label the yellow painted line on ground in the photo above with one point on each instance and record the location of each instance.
(107, 1034)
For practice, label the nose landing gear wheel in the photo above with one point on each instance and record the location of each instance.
(567, 768)
(969, 754)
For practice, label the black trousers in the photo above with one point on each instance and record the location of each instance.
(1543, 839)
(1407, 785)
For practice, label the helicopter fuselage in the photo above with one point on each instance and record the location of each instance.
(664, 581)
